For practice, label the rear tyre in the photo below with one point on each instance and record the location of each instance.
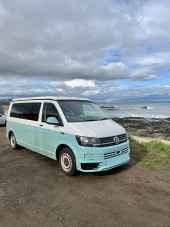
(67, 162)
(13, 142)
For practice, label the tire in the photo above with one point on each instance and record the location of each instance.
(67, 162)
(13, 142)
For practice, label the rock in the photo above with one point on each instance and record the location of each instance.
(142, 127)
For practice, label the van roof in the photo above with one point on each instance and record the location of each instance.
(50, 98)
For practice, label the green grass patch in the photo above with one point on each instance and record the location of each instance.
(154, 154)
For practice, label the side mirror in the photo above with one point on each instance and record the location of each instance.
(52, 121)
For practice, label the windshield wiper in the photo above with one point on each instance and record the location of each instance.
(99, 119)
(91, 120)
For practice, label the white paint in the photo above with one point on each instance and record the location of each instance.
(49, 98)
(98, 129)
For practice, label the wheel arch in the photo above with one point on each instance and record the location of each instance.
(60, 147)
(10, 133)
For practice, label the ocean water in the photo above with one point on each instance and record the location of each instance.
(145, 110)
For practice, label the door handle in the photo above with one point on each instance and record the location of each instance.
(41, 125)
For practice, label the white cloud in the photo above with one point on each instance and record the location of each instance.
(91, 92)
(154, 18)
(143, 75)
(115, 70)
(80, 83)
(158, 59)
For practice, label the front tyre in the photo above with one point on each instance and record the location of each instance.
(67, 162)
(13, 142)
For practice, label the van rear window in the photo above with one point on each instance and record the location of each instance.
(27, 111)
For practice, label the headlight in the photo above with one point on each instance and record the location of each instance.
(88, 141)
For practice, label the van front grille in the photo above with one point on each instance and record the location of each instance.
(109, 141)
(106, 155)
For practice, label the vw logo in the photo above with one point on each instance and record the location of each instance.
(116, 140)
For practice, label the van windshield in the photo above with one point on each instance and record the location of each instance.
(81, 111)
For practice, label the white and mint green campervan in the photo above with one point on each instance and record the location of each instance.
(71, 130)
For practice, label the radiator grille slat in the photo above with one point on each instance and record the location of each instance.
(106, 155)
(109, 141)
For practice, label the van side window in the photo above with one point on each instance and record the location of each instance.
(27, 111)
(49, 110)
(35, 111)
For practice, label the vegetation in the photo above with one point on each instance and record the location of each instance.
(154, 154)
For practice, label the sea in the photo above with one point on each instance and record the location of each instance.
(137, 110)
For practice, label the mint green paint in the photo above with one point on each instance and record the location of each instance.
(105, 164)
(46, 142)
(25, 135)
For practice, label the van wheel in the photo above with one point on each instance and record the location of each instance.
(13, 142)
(67, 162)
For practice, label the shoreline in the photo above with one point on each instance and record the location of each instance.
(144, 129)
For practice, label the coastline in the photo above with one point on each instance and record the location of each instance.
(145, 130)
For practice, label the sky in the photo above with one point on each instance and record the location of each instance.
(108, 51)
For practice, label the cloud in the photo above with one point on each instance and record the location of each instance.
(155, 60)
(143, 75)
(115, 71)
(80, 83)
(83, 48)
(97, 91)
(63, 40)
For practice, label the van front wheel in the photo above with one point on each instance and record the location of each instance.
(67, 162)
(13, 142)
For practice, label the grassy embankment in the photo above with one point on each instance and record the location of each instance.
(154, 154)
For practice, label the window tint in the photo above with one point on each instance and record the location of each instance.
(49, 110)
(35, 111)
(27, 111)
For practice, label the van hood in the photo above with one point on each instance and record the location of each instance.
(98, 129)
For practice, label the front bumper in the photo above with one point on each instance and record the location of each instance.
(96, 159)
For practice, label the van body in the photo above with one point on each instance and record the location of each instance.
(74, 131)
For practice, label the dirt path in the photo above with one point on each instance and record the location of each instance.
(33, 192)
(147, 139)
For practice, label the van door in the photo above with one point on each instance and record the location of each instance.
(48, 136)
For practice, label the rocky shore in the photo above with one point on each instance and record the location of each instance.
(158, 129)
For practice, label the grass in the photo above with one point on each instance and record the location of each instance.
(5, 107)
(154, 154)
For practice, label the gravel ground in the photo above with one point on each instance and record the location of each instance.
(33, 192)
